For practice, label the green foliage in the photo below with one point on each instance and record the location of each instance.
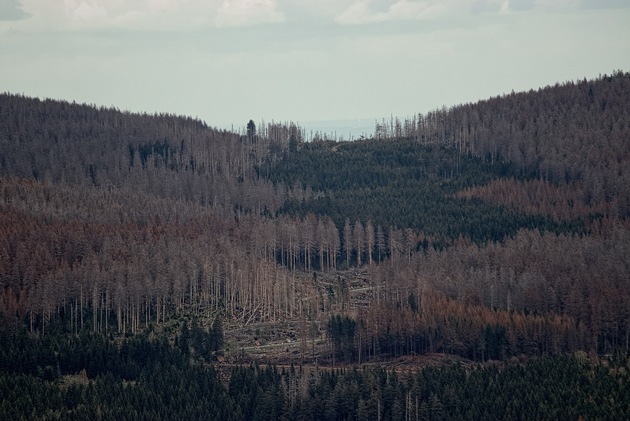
(341, 330)
(140, 378)
(149, 379)
(402, 184)
(203, 343)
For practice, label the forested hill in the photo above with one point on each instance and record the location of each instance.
(114, 221)
(571, 134)
(163, 155)
(133, 245)
(554, 159)
(575, 131)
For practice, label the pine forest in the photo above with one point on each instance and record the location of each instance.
(472, 262)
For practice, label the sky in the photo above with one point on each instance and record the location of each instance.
(228, 61)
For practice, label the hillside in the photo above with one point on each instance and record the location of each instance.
(487, 231)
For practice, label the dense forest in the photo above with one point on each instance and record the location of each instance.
(86, 377)
(493, 231)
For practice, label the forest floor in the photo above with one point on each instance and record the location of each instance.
(279, 345)
(303, 344)
(293, 339)
(403, 366)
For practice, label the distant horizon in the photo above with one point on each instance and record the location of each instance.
(338, 129)
(224, 61)
(349, 129)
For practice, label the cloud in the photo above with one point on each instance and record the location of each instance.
(521, 4)
(604, 4)
(60, 15)
(11, 10)
(138, 15)
(239, 13)
(89, 12)
(187, 15)
(496, 6)
(360, 12)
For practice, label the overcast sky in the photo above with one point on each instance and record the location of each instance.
(226, 61)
